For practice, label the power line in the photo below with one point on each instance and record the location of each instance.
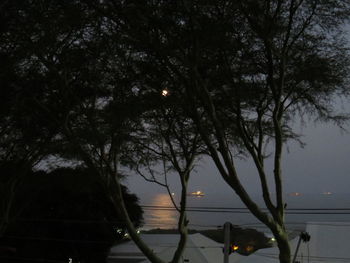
(244, 208)
(243, 211)
(75, 221)
(56, 239)
(234, 210)
(319, 258)
(22, 259)
(45, 260)
(65, 220)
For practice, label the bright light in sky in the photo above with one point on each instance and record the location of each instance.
(165, 92)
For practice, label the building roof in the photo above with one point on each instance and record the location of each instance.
(199, 249)
(329, 243)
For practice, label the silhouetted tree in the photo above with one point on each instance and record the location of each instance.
(236, 73)
(245, 69)
(84, 87)
(69, 216)
(27, 135)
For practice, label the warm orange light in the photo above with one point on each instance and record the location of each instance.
(234, 247)
(197, 193)
(249, 248)
(165, 92)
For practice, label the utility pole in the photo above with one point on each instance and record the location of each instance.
(227, 246)
(304, 236)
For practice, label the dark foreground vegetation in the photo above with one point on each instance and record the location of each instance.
(156, 86)
(62, 215)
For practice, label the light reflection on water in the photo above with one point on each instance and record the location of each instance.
(157, 218)
(160, 218)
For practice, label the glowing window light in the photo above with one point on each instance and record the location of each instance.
(235, 248)
(249, 248)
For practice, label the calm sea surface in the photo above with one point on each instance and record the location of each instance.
(212, 211)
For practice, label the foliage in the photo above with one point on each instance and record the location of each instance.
(241, 71)
(236, 74)
(68, 215)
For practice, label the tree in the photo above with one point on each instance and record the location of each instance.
(12, 176)
(236, 73)
(108, 135)
(69, 216)
(245, 70)
(168, 138)
(78, 70)
(25, 135)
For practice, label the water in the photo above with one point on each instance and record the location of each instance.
(213, 211)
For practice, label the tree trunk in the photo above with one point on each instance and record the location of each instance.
(8, 205)
(182, 224)
(284, 248)
(115, 193)
(3, 227)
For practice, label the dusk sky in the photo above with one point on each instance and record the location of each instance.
(322, 165)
